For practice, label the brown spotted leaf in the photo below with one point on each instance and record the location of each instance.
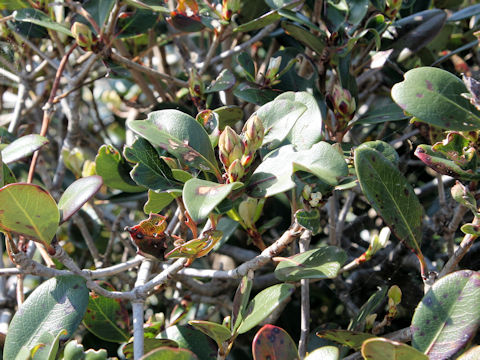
(435, 96)
(448, 315)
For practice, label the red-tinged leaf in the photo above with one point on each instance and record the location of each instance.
(149, 236)
(272, 342)
(77, 194)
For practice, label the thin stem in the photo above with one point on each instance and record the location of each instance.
(137, 310)
(332, 219)
(82, 226)
(304, 243)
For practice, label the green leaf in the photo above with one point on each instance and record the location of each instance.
(217, 332)
(322, 263)
(272, 342)
(274, 174)
(224, 81)
(110, 165)
(201, 196)
(309, 220)
(260, 22)
(392, 197)
(352, 339)
(77, 194)
(387, 150)
(307, 130)
(148, 345)
(357, 9)
(448, 315)
(314, 42)
(22, 147)
(278, 117)
(149, 5)
(373, 302)
(324, 353)
(240, 301)
(168, 353)
(39, 18)
(245, 61)
(57, 304)
(263, 304)
(30, 211)
(158, 201)
(74, 351)
(13, 4)
(137, 23)
(465, 13)
(99, 10)
(435, 96)
(472, 354)
(180, 135)
(385, 349)
(105, 318)
(150, 171)
(194, 340)
(390, 112)
(47, 346)
(254, 94)
(228, 115)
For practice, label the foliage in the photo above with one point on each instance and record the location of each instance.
(306, 167)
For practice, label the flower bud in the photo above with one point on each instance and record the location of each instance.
(83, 35)
(253, 132)
(89, 168)
(342, 103)
(230, 147)
(230, 7)
(273, 67)
(247, 210)
(392, 7)
(235, 171)
(395, 294)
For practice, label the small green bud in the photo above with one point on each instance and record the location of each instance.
(462, 195)
(395, 294)
(235, 171)
(392, 7)
(307, 191)
(89, 168)
(273, 67)
(230, 146)
(227, 321)
(247, 210)
(230, 7)
(370, 321)
(73, 160)
(253, 132)
(83, 35)
(342, 102)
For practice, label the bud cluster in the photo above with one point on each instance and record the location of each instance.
(196, 88)
(83, 36)
(392, 7)
(343, 106)
(235, 153)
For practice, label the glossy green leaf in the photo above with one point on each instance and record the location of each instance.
(448, 315)
(194, 340)
(263, 304)
(137, 23)
(39, 18)
(357, 9)
(245, 61)
(150, 170)
(149, 5)
(105, 318)
(352, 339)
(272, 342)
(202, 196)
(324, 353)
(22, 147)
(57, 304)
(274, 174)
(435, 96)
(385, 349)
(30, 211)
(278, 117)
(314, 42)
(110, 165)
(13, 4)
(472, 354)
(322, 263)
(224, 81)
(309, 220)
(392, 197)
(465, 13)
(180, 135)
(240, 300)
(260, 22)
(217, 332)
(253, 93)
(77, 194)
(75, 351)
(148, 345)
(369, 307)
(307, 130)
(158, 201)
(168, 353)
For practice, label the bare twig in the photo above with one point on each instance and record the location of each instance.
(137, 310)
(304, 243)
(449, 234)
(82, 226)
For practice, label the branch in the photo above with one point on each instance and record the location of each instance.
(137, 310)
(304, 243)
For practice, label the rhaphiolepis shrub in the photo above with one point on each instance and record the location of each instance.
(239, 179)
